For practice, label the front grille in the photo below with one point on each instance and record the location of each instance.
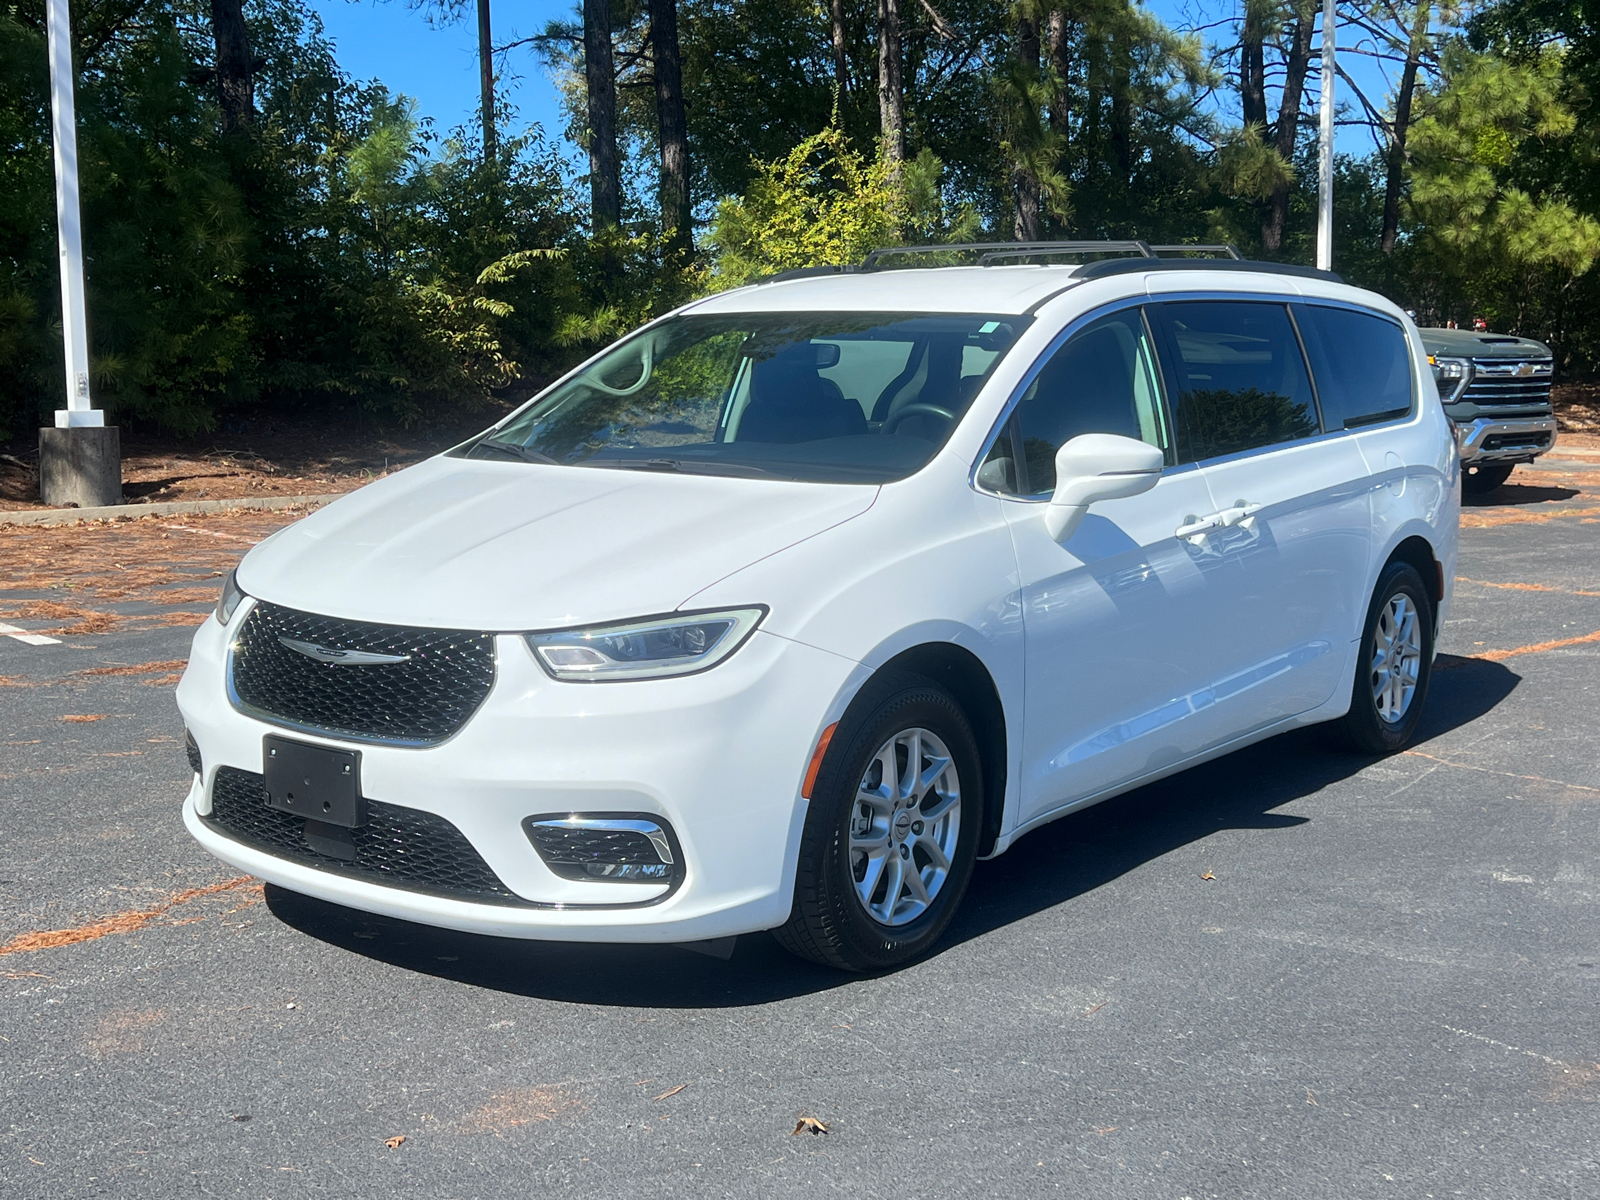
(1499, 391)
(446, 675)
(1517, 441)
(398, 847)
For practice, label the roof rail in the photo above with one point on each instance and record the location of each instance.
(1121, 266)
(1227, 248)
(993, 250)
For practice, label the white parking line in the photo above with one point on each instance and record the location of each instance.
(32, 639)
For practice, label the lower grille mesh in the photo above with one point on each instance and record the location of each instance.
(398, 847)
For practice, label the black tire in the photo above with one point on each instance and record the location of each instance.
(829, 923)
(1364, 728)
(1481, 478)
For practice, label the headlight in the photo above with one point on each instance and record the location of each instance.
(229, 600)
(1453, 376)
(678, 644)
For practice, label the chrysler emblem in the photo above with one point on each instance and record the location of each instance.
(342, 658)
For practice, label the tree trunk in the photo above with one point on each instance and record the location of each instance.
(1253, 66)
(841, 69)
(1058, 43)
(605, 185)
(1122, 104)
(672, 127)
(1287, 128)
(236, 83)
(1024, 185)
(1402, 123)
(891, 93)
(486, 79)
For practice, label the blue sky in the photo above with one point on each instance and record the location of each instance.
(391, 42)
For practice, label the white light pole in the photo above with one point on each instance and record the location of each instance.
(1325, 180)
(68, 222)
(80, 458)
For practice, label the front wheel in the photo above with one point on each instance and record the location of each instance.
(1480, 479)
(892, 831)
(1395, 666)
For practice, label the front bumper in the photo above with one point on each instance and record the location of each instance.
(719, 755)
(1520, 440)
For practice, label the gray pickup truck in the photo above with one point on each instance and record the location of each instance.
(1496, 389)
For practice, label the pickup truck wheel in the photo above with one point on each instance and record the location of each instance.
(1395, 664)
(892, 831)
(1477, 479)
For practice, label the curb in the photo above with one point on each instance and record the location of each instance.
(170, 508)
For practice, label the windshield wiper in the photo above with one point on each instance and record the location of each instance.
(680, 466)
(515, 451)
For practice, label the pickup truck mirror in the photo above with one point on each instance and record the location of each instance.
(1098, 466)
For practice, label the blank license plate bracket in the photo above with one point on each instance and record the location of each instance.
(314, 782)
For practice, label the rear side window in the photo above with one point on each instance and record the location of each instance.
(1237, 376)
(1361, 363)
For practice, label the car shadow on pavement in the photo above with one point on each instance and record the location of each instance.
(1513, 494)
(1047, 868)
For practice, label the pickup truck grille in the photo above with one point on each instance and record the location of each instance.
(1510, 387)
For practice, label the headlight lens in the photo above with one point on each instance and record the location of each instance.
(1452, 374)
(229, 600)
(679, 644)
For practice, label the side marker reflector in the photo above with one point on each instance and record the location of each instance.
(816, 760)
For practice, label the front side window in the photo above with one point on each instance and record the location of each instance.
(1237, 376)
(1361, 362)
(1101, 380)
(818, 397)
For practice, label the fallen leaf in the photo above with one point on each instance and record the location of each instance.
(394, 1142)
(1310, 1099)
(1208, 875)
(1107, 1129)
(672, 1091)
(808, 1125)
(1091, 1012)
(81, 718)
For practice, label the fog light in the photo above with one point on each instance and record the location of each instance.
(606, 847)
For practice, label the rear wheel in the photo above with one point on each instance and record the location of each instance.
(1396, 664)
(1479, 478)
(892, 831)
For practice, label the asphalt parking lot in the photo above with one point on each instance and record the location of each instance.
(1287, 973)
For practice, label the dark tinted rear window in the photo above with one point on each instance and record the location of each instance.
(1361, 364)
(1236, 374)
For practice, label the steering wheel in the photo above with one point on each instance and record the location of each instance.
(916, 410)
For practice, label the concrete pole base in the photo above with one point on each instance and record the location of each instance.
(80, 467)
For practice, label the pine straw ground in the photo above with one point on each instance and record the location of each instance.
(132, 573)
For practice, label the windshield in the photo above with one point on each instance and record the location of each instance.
(819, 397)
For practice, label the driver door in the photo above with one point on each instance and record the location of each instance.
(1122, 625)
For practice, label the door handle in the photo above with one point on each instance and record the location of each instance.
(1242, 514)
(1196, 527)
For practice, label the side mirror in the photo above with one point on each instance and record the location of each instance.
(1098, 466)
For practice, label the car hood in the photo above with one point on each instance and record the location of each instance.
(462, 544)
(1465, 343)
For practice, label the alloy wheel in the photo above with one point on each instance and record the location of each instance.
(1396, 658)
(904, 826)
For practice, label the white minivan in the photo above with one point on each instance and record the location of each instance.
(781, 611)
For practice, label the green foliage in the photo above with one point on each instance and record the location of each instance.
(822, 204)
(1511, 248)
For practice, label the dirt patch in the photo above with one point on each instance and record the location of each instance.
(124, 1031)
(1577, 408)
(259, 456)
(524, 1106)
(1575, 1083)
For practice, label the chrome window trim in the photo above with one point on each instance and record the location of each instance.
(1145, 298)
